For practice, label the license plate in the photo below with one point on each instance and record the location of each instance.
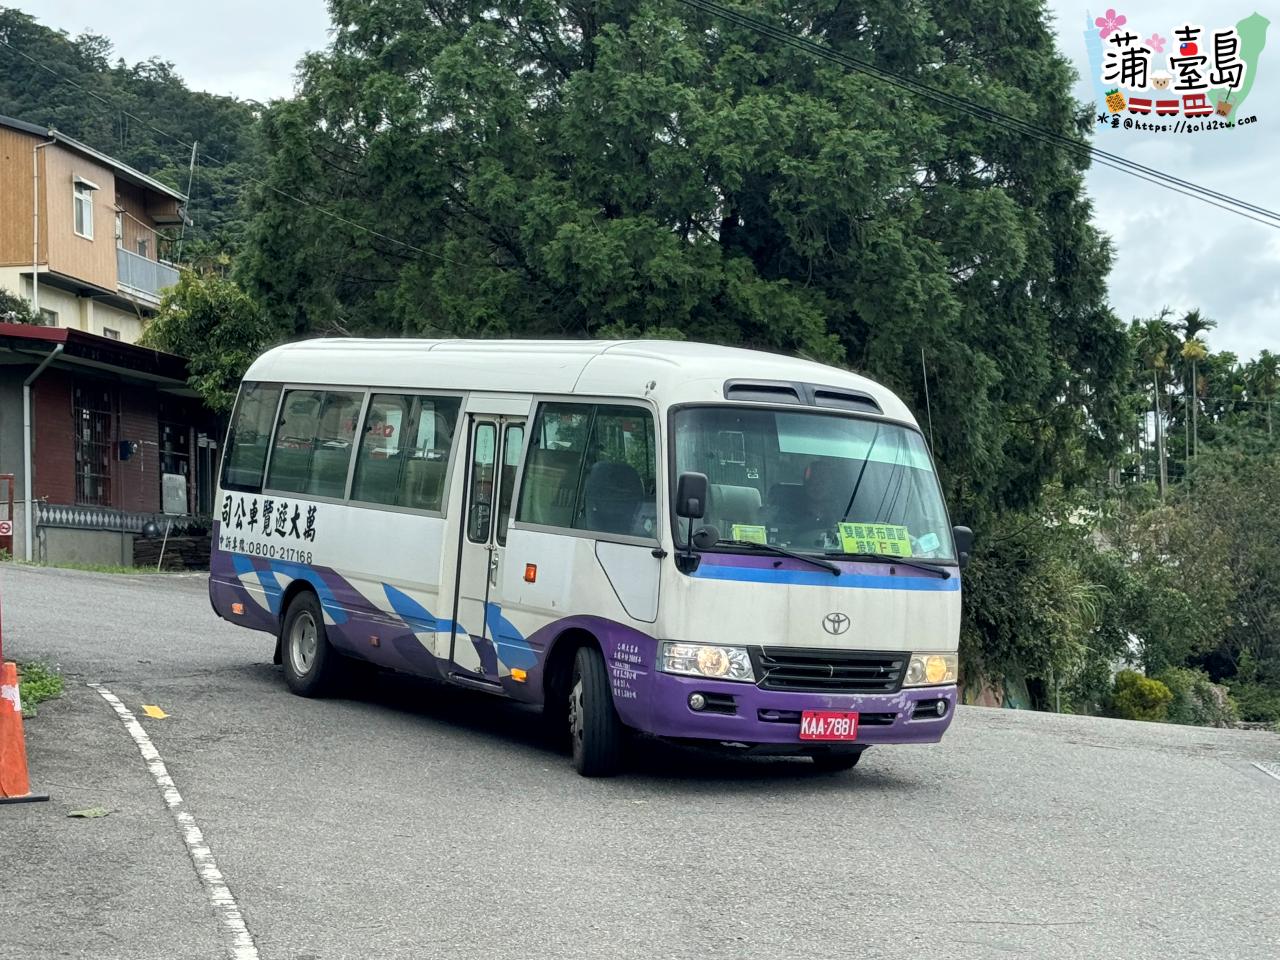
(828, 725)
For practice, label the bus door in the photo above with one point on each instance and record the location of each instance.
(494, 449)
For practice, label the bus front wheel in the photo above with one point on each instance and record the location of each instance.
(594, 725)
(310, 664)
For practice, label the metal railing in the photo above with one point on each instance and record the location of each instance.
(142, 277)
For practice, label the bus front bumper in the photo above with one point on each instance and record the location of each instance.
(743, 713)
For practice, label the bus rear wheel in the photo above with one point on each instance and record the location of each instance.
(310, 664)
(594, 726)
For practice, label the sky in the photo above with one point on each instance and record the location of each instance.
(1170, 250)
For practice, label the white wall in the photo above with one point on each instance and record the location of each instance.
(78, 313)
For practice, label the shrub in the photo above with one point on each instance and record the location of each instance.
(1135, 697)
(1258, 703)
(1197, 700)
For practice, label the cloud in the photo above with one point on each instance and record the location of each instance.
(1172, 250)
(243, 48)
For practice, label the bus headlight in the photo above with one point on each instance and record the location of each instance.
(926, 669)
(707, 660)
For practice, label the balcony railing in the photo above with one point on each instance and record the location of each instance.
(142, 278)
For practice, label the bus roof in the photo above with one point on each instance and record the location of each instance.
(669, 372)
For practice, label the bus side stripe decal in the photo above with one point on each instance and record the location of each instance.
(416, 617)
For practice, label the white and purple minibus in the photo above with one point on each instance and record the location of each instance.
(699, 543)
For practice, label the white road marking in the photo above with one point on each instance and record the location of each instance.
(224, 904)
(1268, 770)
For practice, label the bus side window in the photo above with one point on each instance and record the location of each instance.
(554, 464)
(313, 442)
(618, 491)
(250, 437)
(512, 444)
(591, 467)
(404, 451)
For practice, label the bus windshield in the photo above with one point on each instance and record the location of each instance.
(814, 482)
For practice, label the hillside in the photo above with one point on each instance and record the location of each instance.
(140, 113)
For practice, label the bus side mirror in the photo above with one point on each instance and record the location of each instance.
(691, 495)
(963, 538)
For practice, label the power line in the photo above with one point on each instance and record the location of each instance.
(1169, 181)
(222, 163)
(953, 100)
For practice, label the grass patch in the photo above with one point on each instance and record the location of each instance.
(36, 684)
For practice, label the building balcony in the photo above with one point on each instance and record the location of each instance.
(142, 278)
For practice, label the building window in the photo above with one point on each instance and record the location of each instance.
(47, 318)
(84, 209)
(120, 229)
(142, 246)
(110, 334)
(94, 406)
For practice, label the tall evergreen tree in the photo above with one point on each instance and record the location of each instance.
(631, 168)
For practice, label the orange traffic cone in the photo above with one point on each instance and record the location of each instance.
(14, 787)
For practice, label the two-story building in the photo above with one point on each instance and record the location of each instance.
(99, 434)
(81, 234)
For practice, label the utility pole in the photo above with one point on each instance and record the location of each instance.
(191, 174)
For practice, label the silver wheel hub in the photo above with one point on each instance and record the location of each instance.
(304, 643)
(576, 713)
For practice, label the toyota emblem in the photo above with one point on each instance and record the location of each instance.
(835, 623)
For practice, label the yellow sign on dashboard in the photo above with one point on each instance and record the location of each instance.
(885, 539)
(750, 532)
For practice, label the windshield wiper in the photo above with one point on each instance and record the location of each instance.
(885, 558)
(770, 548)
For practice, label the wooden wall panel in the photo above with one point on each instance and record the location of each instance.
(93, 260)
(138, 224)
(15, 199)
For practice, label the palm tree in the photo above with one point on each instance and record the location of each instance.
(1263, 379)
(1192, 325)
(1194, 350)
(1154, 340)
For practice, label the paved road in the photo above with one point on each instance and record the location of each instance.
(408, 821)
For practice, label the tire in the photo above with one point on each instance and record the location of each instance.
(310, 663)
(837, 762)
(596, 731)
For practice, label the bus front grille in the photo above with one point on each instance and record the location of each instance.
(828, 671)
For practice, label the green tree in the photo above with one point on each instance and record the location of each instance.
(14, 309)
(624, 167)
(212, 321)
(631, 168)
